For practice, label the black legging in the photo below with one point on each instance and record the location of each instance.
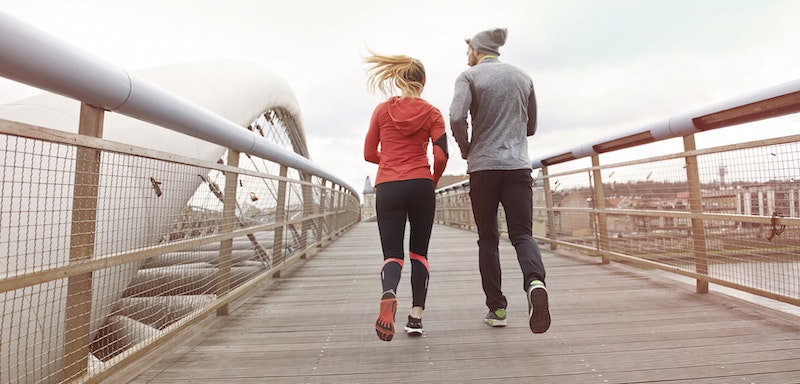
(396, 202)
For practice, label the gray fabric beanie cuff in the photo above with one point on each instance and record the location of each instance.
(489, 41)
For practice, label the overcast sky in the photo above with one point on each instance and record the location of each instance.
(599, 67)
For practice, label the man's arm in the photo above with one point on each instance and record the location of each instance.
(440, 154)
(459, 110)
(532, 113)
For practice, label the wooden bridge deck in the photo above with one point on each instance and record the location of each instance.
(611, 324)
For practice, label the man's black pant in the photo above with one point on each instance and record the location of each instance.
(512, 188)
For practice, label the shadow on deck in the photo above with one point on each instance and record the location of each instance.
(611, 324)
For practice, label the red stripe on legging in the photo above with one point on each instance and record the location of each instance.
(421, 259)
(392, 259)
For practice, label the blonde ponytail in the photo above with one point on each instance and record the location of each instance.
(389, 73)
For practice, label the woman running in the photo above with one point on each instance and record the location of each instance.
(400, 131)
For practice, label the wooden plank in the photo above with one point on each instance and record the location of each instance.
(611, 323)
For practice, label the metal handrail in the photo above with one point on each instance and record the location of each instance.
(775, 101)
(45, 62)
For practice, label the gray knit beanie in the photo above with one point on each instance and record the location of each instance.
(489, 41)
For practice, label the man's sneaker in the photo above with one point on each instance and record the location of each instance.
(538, 307)
(414, 326)
(496, 318)
(384, 325)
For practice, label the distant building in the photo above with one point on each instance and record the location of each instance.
(368, 207)
(766, 200)
(575, 223)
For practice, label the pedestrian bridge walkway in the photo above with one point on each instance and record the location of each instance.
(611, 324)
(143, 203)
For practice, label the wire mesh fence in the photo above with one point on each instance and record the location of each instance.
(106, 251)
(728, 215)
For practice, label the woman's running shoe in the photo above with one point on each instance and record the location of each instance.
(414, 326)
(384, 325)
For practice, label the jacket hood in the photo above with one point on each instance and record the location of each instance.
(409, 114)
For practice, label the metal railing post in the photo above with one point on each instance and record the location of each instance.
(467, 211)
(308, 210)
(696, 208)
(451, 216)
(77, 327)
(334, 208)
(228, 220)
(342, 216)
(447, 214)
(324, 227)
(548, 200)
(600, 205)
(329, 208)
(280, 218)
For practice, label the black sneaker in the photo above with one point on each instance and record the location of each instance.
(414, 326)
(538, 307)
(496, 318)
